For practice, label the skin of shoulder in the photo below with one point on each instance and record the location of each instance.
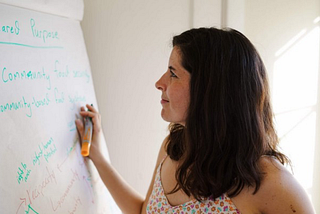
(162, 153)
(279, 193)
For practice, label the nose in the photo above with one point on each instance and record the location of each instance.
(160, 85)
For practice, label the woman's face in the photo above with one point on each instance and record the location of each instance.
(174, 85)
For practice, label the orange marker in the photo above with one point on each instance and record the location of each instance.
(86, 141)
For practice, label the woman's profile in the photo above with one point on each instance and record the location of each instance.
(221, 154)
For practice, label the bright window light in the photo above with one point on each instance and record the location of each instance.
(295, 86)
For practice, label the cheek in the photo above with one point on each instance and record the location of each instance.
(180, 98)
(186, 100)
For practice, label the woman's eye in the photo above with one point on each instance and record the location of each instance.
(172, 74)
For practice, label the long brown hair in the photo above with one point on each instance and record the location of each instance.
(230, 121)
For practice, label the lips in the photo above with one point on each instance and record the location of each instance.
(163, 101)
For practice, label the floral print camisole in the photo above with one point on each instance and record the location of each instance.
(158, 202)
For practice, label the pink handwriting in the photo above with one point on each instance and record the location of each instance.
(77, 202)
(62, 199)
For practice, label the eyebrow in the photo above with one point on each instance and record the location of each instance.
(172, 68)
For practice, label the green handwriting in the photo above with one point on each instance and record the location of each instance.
(75, 142)
(42, 34)
(45, 150)
(16, 105)
(9, 76)
(82, 74)
(31, 46)
(30, 209)
(23, 173)
(59, 96)
(72, 126)
(77, 98)
(60, 74)
(11, 29)
(42, 102)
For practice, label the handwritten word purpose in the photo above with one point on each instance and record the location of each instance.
(43, 34)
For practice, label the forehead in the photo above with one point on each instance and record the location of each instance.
(175, 54)
(175, 59)
(175, 63)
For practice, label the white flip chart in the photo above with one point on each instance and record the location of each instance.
(45, 78)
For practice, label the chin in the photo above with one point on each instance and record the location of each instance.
(169, 119)
(173, 121)
(166, 119)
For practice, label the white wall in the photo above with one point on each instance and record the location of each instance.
(129, 43)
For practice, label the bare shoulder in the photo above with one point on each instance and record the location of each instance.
(280, 192)
(162, 153)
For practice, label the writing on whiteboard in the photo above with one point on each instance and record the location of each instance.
(43, 34)
(23, 173)
(10, 76)
(15, 29)
(45, 150)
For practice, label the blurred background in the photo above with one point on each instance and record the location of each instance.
(129, 43)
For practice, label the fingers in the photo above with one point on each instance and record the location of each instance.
(96, 122)
(91, 108)
(79, 125)
(91, 113)
(94, 115)
(80, 128)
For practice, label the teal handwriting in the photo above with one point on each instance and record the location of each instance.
(50, 153)
(42, 102)
(24, 104)
(43, 34)
(73, 99)
(45, 150)
(81, 74)
(17, 105)
(48, 143)
(11, 29)
(75, 143)
(37, 156)
(10, 76)
(30, 46)
(72, 126)
(59, 96)
(30, 209)
(60, 74)
(23, 173)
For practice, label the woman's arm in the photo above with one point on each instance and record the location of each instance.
(128, 200)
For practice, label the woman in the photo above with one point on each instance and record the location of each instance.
(221, 154)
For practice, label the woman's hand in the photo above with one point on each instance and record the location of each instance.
(116, 185)
(95, 153)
